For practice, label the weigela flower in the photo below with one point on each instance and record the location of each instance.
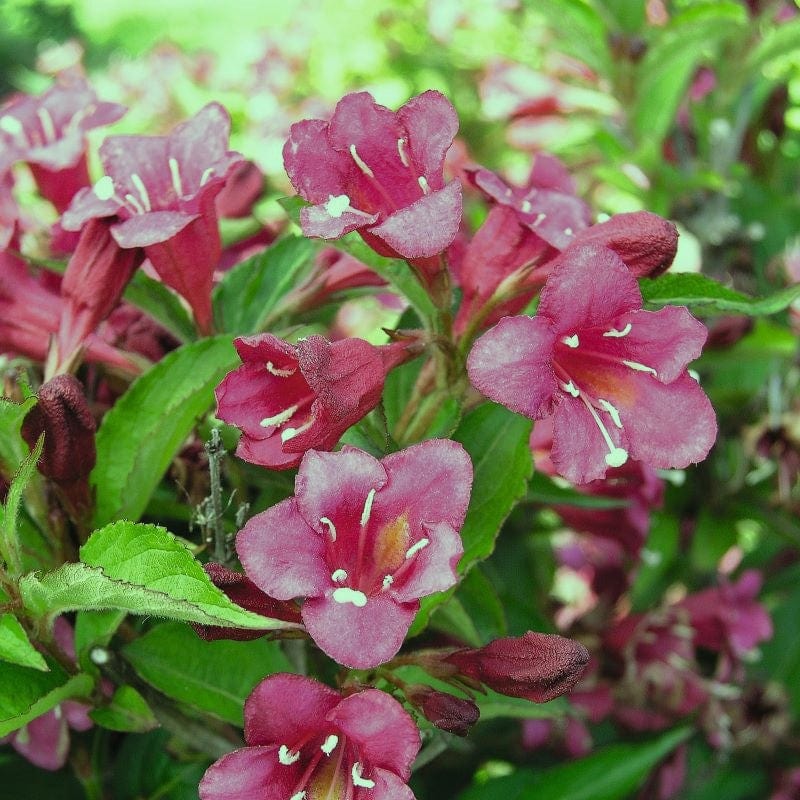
(444, 710)
(379, 172)
(612, 375)
(9, 211)
(362, 540)
(289, 398)
(163, 191)
(536, 666)
(305, 741)
(49, 133)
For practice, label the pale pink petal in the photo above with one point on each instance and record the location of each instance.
(316, 170)
(389, 787)
(318, 222)
(87, 205)
(249, 773)
(44, 741)
(144, 156)
(143, 230)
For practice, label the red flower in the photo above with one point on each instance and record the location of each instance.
(612, 375)
(163, 190)
(49, 133)
(362, 541)
(304, 741)
(379, 172)
(290, 398)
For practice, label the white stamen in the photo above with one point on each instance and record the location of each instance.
(568, 231)
(694, 374)
(280, 373)
(401, 149)
(206, 176)
(104, 188)
(616, 456)
(329, 745)
(612, 411)
(571, 388)
(635, 365)
(332, 532)
(286, 756)
(358, 780)
(57, 713)
(423, 184)
(48, 128)
(12, 125)
(346, 595)
(539, 219)
(359, 163)
(99, 656)
(290, 433)
(174, 170)
(279, 418)
(301, 795)
(336, 206)
(367, 507)
(508, 192)
(526, 206)
(388, 580)
(615, 334)
(142, 189)
(571, 341)
(22, 736)
(416, 547)
(137, 206)
(339, 576)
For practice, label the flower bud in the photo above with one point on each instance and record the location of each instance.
(536, 666)
(446, 711)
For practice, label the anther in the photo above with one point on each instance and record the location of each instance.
(174, 171)
(359, 163)
(329, 745)
(48, 128)
(612, 411)
(615, 334)
(12, 125)
(359, 780)
(636, 366)
(104, 188)
(336, 206)
(401, 149)
(280, 373)
(365, 514)
(279, 418)
(290, 433)
(387, 582)
(568, 231)
(286, 756)
(142, 189)
(423, 184)
(332, 532)
(571, 341)
(539, 219)
(339, 576)
(301, 795)
(416, 547)
(206, 176)
(137, 206)
(346, 595)
(526, 206)
(571, 388)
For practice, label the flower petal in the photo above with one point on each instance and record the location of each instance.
(248, 773)
(511, 364)
(358, 637)
(318, 222)
(284, 709)
(426, 227)
(389, 787)
(45, 742)
(385, 734)
(316, 170)
(145, 157)
(143, 230)
(87, 205)
(282, 555)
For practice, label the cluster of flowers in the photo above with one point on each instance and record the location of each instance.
(351, 554)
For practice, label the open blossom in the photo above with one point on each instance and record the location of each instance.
(612, 375)
(49, 133)
(163, 190)
(362, 540)
(305, 741)
(290, 398)
(379, 172)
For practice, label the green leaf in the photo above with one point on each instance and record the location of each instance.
(28, 693)
(612, 773)
(215, 677)
(23, 781)
(94, 629)
(10, 550)
(580, 30)
(12, 447)
(146, 427)
(126, 711)
(163, 305)
(395, 271)
(544, 490)
(703, 294)
(779, 41)
(493, 705)
(15, 646)
(248, 294)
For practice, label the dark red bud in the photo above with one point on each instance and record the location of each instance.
(536, 666)
(63, 415)
(646, 242)
(446, 711)
(242, 591)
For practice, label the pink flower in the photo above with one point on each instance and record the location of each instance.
(289, 398)
(612, 375)
(49, 133)
(379, 172)
(304, 741)
(362, 540)
(163, 190)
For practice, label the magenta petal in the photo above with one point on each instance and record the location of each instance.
(429, 481)
(284, 709)
(666, 340)
(672, 425)
(201, 143)
(556, 217)
(432, 124)
(385, 734)
(360, 638)
(335, 486)
(281, 554)
(389, 787)
(579, 451)
(434, 568)
(267, 453)
(87, 205)
(511, 364)
(154, 227)
(588, 287)
(44, 741)
(426, 227)
(252, 772)
(317, 222)
(315, 169)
